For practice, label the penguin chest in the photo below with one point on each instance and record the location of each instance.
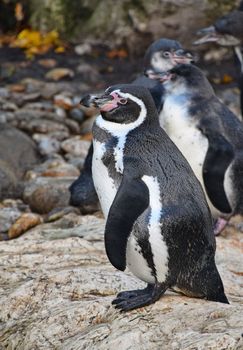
(176, 121)
(105, 185)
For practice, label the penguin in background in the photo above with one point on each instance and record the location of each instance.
(158, 223)
(163, 54)
(208, 134)
(228, 31)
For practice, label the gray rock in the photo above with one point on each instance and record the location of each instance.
(46, 193)
(18, 154)
(60, 297)
(76, 147)
(7, 217)
(77, 115)
(46, 144)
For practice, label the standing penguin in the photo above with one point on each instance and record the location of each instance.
(227, 31)
(158, 223)
(163, 54)
(208, 134)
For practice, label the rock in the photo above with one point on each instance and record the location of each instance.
(77, 115)
(60, 297)
(14, 160)
(83, 49)
(43, 126)
(88, 72)
(63, 101)
(59, 73)
(7, 217)
(63, 170)
(47, 62)
(59, 213)
(76, 146)
(73, 126)
(45, 193)
(24, 223)
(46, 145)
(88, 125)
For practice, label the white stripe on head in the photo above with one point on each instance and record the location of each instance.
(117, 129)
(121, 130)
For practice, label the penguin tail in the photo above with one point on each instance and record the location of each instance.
(220, 298)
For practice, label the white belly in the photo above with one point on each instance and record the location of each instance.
(190, 141)
(104, 184)
(136, 263)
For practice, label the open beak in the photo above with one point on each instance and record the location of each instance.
(104, 103)
(209, 35)
(162, 77)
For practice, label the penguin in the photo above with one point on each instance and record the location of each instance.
(208, 134)
(227, 31)
(155, 209)
(163, 54)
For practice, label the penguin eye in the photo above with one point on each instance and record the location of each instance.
(123, 101)
(166, 54)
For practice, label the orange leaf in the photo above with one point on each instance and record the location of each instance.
(121, 53)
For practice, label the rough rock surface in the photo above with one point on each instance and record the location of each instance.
(59, 297)
(18, 154)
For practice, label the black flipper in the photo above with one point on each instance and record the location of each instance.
(219, 156)
(131, 200)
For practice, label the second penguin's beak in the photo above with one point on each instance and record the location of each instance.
(182, 57)
(209, 35)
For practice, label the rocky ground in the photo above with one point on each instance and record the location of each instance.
(56, 283)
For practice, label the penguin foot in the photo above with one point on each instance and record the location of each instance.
(219, 226)
(134, 299)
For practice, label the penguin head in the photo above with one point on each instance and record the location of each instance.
(163, 55)
(226, 31)
(123, 104)
(185, 78)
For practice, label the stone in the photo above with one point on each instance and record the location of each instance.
(46, 193)
(83, 49)
(7, 217)
(60, 294)
(76, 146)
(18, 154)
(59, 73)
(46, 145)
(77, 114)
(24, 223)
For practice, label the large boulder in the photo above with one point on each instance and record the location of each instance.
(17, 155)
(59, 297)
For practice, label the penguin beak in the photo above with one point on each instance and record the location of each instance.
(104, 103)
(162, 77)
(210, 35)
(182, 57)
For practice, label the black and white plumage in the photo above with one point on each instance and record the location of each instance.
(158, 223)
(227, 31)
(163, 54)
(208, 134)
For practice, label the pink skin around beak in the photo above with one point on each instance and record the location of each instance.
(110, 105)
